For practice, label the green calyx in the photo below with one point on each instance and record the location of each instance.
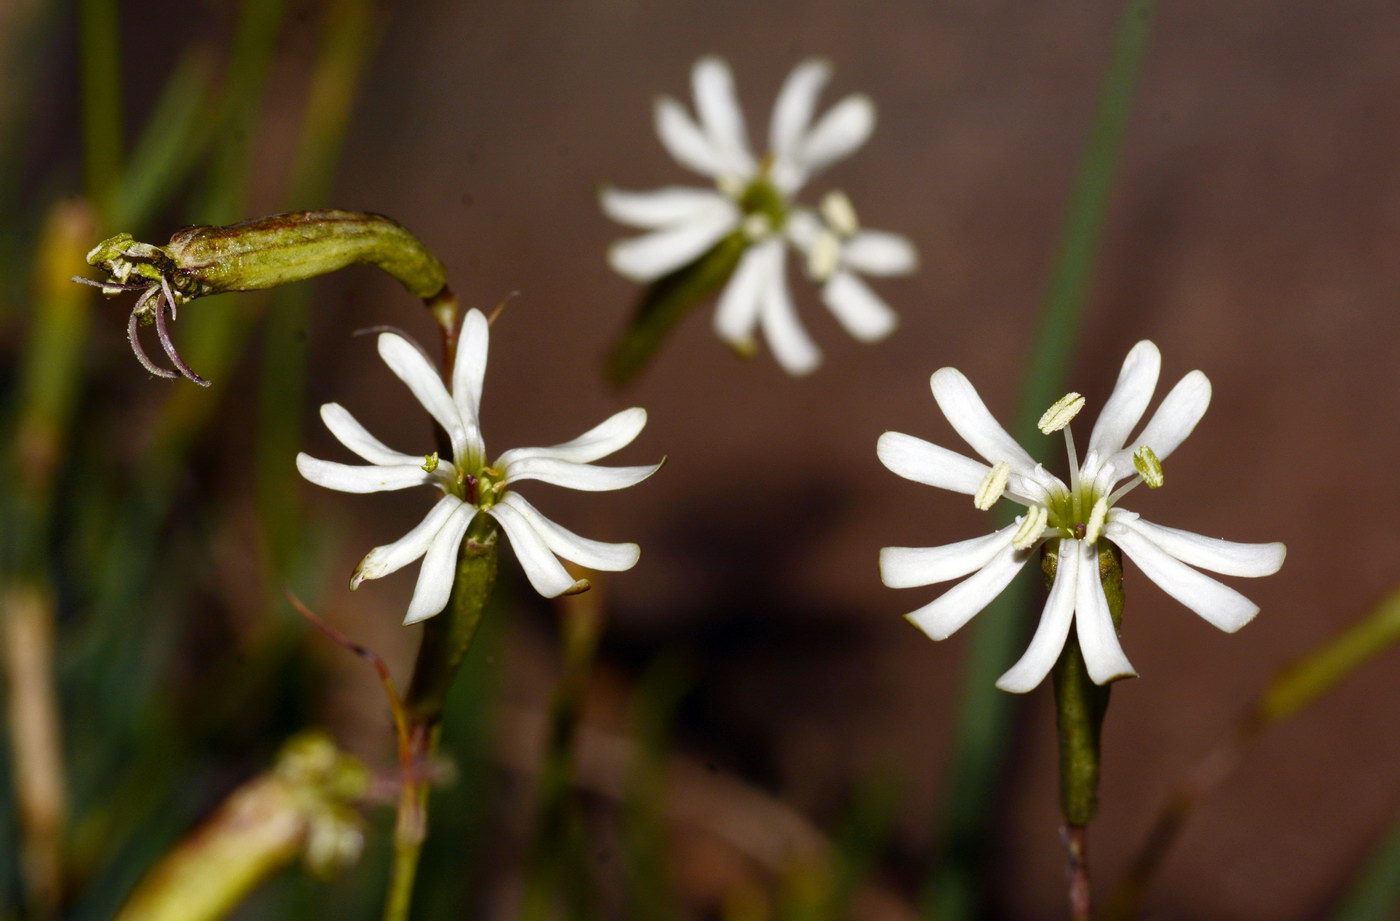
(762, 199)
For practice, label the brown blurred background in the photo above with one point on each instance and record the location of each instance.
(1253, 235)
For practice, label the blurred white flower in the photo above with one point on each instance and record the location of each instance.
(469, 485)
(755, 197)
(1076, 515)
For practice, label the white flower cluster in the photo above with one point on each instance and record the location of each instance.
(755, 197)
(1077, 515)
(469, 485)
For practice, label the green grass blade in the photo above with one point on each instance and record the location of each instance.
(1375, 896)
(100, 52)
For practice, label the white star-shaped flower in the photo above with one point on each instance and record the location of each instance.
(469, 485)
(1077, 516)
(756, 197)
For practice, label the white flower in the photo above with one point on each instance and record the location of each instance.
(470, 486)
(1076, 515)
(755, 197)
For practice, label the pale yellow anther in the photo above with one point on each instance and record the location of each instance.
(992, 486)
(824, 255)
(839, 213)
(1032, 526)
(1148, 467)
(757, 226)
(430, 462)
(731, 185)
(1094, 529)
(1060, 415)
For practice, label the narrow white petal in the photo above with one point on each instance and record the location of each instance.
(942, 617)
(862, 312)
(1226, 557)
(1098, 640)
(684, 140)
(388, 558)
(1121, 414)
(968, 415)
(1050, 634)
(468, 373)
(927, 463)
(664, 207)
(715, 101)
(422, 379)
(737, 313)
(792, 113)
(350, 433)
(651, 255)
(546, 574)
(586, 477)
(594, 554)
(1172, 422)
(439, 567)
(802, 228)
(909, 567)
(838, 133)
(612, 434)
(1219, 604)
(791, 345)
(879, 252)
(347, 478)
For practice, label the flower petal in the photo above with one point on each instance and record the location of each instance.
(348, 478)
(562, 542)
(546, 574)
(737, 313)
(968, 415)
(611, 435)
(945, 614)
(1098, 639)
(684, 140)
(879, 252)
(838, 133)
(664, 207)
(1172, 422)
(1050, 634)
(1121, 414)
(909, 567)
(1219, 604)
(651, 255)
(791, 345)
(439, 567)
(861, 311)
(927, 463)
(713, 85)
(468, 372)
(570, 475)
(350, 433)
(1226, 557)
(388, 558)
(411, 367)
(792, 113)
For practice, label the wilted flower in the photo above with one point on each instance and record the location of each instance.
(469, 485)
(1077, 516)
(755, 198)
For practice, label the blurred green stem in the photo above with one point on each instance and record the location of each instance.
(984, 716)
(1295, 687)
(447, 638)
(102, 95)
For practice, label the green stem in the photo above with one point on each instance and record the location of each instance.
(446, 640)
(983, 722)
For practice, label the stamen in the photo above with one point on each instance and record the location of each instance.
(757, 226)
(840, 214)
(1147, 464)
(824, 256)
(1059, 415)
(163, 334)
(430, 462)
(992, 486)
(1032, 526)
(1094, 528)
(731, 185)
